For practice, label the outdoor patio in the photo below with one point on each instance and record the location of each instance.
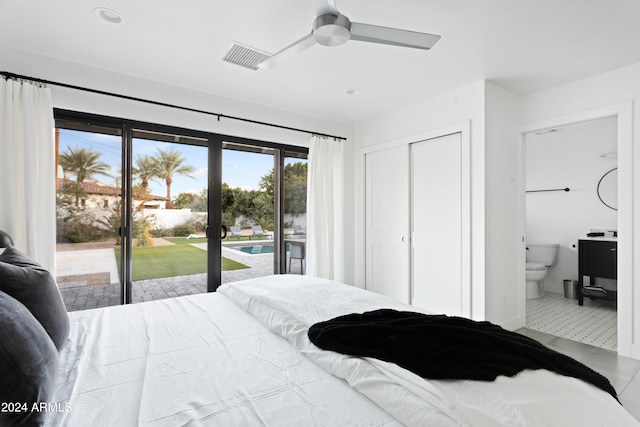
(81, 293)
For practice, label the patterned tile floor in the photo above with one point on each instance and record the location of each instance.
(594, 323)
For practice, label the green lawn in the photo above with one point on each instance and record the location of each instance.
(182, 241)
(181, 259)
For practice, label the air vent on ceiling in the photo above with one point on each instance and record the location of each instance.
(244, 56)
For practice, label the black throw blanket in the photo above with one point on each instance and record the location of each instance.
(444, 347)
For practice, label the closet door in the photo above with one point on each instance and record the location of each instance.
(436, 224)
(387, 222)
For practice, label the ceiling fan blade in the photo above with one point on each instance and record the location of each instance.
(392, 36)
(324, 7)
(288, 52)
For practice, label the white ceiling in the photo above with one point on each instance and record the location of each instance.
(524, 46)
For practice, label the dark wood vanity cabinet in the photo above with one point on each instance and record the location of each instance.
(597, 258)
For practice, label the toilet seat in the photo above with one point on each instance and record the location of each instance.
(535, 266)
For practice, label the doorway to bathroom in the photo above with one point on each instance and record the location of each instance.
(569, 194)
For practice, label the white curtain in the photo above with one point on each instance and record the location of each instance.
(27, 169)
(325, 209)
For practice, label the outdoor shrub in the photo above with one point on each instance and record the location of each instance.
(228, 219)
(143, 235)
(162, 232)
(81, 229)
(197, 221)
(60, 237)
(183, 230)
(112, 223)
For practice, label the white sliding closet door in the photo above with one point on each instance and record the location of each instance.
(387, 222)
(436, 224)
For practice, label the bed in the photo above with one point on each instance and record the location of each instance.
(242, 356)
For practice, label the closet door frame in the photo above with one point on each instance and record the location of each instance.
(471, 274)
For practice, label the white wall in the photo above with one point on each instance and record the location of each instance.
(569, 157)
(502, 238)
(411, 124)
(169, 218)
(618, 91)
(491, 111)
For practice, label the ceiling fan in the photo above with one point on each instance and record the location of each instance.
(331, 28)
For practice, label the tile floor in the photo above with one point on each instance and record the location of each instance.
(587, 333)
(622, 372)
(594, 323)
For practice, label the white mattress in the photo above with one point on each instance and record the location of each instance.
(242, 357)
(200, 361)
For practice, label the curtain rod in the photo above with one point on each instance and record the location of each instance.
(13, 76)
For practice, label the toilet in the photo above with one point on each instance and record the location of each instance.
(540, 256)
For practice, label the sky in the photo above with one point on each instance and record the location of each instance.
(239, 169)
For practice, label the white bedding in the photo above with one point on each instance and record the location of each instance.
(200, 361)
(288, 305)
(241, 357)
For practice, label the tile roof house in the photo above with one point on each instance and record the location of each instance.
(103, 196)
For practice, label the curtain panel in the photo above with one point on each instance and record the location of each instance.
(27, 169)
(325, 209)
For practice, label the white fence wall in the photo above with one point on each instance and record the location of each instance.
(169, 218)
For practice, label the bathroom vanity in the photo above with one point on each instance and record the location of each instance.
(598, 257)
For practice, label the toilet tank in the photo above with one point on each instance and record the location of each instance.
(545, 253)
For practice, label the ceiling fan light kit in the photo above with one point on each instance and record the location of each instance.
(331, 28)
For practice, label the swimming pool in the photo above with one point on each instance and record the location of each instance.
(253, 248)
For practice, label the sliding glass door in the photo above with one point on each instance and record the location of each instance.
(169, 215)
(295, 211)
(88, 213)
(247, 211)
(147, 212)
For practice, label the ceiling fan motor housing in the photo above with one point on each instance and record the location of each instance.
(332, 30)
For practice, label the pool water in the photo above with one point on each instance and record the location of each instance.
(254, 249)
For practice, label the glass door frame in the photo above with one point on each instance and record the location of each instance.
(215, 143)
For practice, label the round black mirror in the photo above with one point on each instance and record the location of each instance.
(608, 189)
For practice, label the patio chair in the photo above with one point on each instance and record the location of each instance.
(297, 229)
(297, 252)
(235, 232)
(257, 232)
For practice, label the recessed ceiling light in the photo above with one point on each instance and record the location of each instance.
(109, 15)
(353, 91)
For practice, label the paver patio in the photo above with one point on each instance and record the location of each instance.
(79, 295)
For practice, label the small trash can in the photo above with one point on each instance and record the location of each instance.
(570, 288)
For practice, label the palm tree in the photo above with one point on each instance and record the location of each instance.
(171, 163)
(146, 169)
(84, 163)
